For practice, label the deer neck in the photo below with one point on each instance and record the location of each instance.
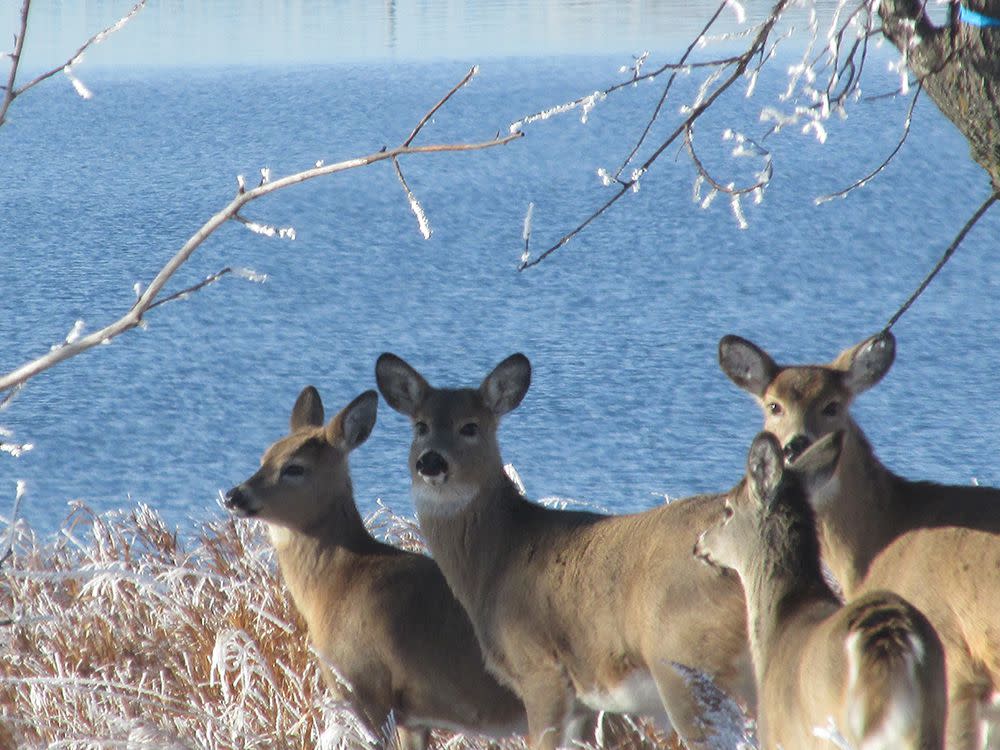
(783, 580)
(315, 558)
(470, 540)
(855, 511)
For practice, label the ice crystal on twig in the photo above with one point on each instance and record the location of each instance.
(284, 233)
(78, 85)
(734, 202)
(250, 275)
(16, 450)
(738, 10)
(526, 233)
(72, 337)
(422, 224)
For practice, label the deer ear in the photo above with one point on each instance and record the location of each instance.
(503, 389)
(402, 387)
(867, 363)
(308, 410)
(765, 466)
(819, 462)
(746, 364)
(352, 426)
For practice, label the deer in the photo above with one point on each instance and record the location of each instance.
(873, 667)
(936, 545)
(392, 638)
(570, 607)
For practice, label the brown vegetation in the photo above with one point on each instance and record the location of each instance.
(121, 633)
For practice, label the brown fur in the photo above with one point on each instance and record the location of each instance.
(875, 666)
(936, 545)
(567, 605)
(383, 619)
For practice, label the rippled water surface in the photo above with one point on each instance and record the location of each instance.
(627, 401)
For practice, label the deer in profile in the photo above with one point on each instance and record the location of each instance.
(874, 667)
(936, 545)
(382, 619)
(569, 607)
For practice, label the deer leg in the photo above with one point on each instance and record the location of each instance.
(681, 707)
(412, 739)
(963, 730)
(548, 701)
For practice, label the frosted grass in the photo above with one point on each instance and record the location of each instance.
(121, 634)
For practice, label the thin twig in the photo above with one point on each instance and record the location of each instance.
(210, 279)
(15, 61)
(715, 183)
(12, 93)
(885, 162)
(147, 299)
(944, 258)
(666, 90)
(430, 113)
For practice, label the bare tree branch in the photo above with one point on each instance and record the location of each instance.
(11, 93)
(148, 298)
(885, 162)
(987, 204)
(706, 99)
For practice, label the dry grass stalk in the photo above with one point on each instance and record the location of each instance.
(121, 634)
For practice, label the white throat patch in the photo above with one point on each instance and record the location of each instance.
(441, 500)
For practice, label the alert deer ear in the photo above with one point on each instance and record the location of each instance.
(867, 363)
(765, 466)
(308, 410)
(355, 422)
(503, 389)
(402, 387)
(746, 364)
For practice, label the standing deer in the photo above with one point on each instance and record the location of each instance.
(569, 607)
(874, 667)
(936, 545)
(382, 618)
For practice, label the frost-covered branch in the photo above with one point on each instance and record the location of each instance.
(724, 73)
(860, 183)
(150, 295)
(12, 91)
(973, 220)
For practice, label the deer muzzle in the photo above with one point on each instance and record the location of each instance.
(239, 502)
(432, 467)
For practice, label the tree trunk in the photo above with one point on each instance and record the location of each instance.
(959, 66)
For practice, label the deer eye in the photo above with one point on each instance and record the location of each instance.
(774, 408)
(470, 429)
(421, 428)
(727, 511)
(292, 471)
(831, 409)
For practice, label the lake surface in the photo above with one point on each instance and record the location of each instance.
(627, 402)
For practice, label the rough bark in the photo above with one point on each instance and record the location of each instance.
(959, 67)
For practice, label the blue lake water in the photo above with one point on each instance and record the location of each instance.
(627, 401)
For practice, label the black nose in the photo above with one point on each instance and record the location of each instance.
(796, 447)
(432, 464)
(235, 499)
